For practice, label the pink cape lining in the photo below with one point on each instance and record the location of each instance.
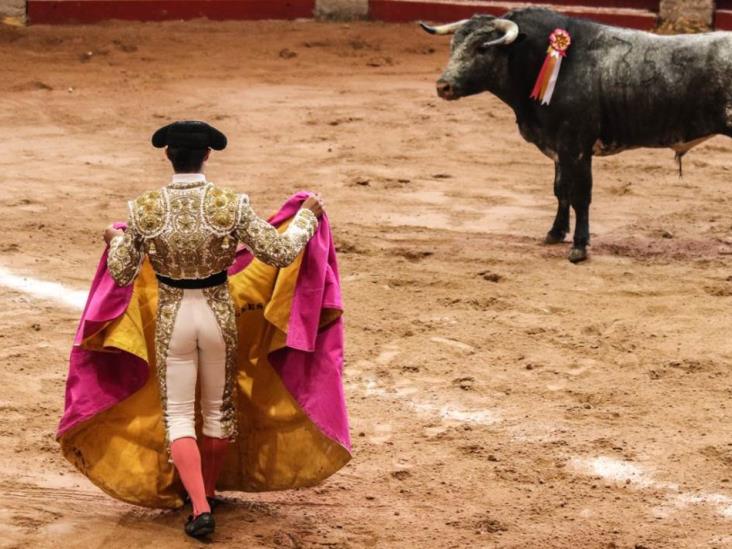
(311, 365)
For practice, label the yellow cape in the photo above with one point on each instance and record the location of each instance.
(123, 449)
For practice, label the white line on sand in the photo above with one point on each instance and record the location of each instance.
(633, 475)
(42, 289)
(405, 393)
(445, 411)
(609, 469)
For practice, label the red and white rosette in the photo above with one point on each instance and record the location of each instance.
(559, 42)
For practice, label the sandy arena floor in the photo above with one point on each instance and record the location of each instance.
(500, 396)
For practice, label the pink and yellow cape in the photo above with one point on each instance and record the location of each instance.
(293, 425)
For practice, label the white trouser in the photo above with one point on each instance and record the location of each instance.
(196, 344)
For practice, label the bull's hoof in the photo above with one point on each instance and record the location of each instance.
(577, 255)
(554, 238)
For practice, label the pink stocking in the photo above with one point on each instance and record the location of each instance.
(214, 452)
(187, 460)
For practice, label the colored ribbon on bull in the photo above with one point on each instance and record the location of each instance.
(546, 82)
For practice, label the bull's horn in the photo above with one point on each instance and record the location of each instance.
(510, 32)
(449, 28)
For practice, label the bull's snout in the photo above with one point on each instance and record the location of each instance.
(445, 90)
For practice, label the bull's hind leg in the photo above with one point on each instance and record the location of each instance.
(576, 172)
(560, 228)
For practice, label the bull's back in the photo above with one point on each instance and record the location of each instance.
(659, 91)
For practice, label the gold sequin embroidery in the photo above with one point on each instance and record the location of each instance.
(267, 244)
(220, 209)
(148, 213)
(219, 299)
(190, 233)
(187, 243)
(169, 299)
(124, 257)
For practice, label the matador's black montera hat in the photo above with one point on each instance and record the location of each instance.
(189, 134)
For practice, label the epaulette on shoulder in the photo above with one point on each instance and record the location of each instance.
(148, 213)
(221, 209)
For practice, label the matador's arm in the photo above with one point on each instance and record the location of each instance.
(125, 256)
(267, 244)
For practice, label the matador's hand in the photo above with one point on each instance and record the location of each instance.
(110, 232)
(315, 204)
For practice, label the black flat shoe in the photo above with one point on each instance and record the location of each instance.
(201, 526)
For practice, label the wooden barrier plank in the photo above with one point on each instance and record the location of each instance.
(723, 20)
(92, 11)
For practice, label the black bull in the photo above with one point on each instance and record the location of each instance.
(618, 89)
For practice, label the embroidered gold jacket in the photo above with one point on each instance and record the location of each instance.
(191, 231)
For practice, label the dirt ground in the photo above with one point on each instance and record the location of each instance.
(499, 395)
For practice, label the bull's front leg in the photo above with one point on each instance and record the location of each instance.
(560, 228)
(578, 172)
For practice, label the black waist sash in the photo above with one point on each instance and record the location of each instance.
(194, 283)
